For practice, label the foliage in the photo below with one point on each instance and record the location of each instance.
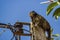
(57, 13)
(56, 35)
(51, 6)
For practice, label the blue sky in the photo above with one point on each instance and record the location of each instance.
(18, 10)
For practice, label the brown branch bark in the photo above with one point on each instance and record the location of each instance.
(4, 26)
(24, 23)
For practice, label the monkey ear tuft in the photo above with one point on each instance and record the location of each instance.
(33, 12)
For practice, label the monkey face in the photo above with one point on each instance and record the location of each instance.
(32, 14)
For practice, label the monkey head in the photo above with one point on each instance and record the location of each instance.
(33, 14)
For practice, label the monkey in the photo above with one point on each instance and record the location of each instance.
(40, 21)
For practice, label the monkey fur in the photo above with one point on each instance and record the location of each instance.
(38, 20)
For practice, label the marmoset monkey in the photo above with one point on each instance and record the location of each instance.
(40, 21)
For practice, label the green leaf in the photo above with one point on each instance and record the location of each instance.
(56, 13)
(56, 35)
(51, 7)
(56, 17)
(51, 30)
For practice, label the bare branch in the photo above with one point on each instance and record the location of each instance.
(24, 23)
